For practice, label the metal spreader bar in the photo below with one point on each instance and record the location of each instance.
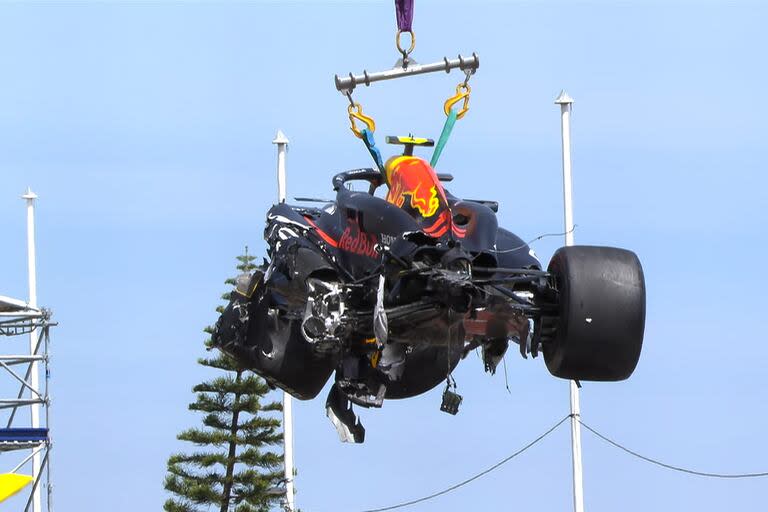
(467, 64)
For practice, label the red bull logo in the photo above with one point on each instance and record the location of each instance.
(413, 179)
(357, 241)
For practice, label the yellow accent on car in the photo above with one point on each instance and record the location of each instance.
(412, 140)
(426, 208)
(392, 162)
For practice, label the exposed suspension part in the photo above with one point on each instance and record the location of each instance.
(323, 323)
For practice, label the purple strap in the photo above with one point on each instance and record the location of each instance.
(404, 9)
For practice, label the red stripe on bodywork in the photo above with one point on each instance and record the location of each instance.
(460, 232)
(440, 232)
(438, 224)
(325, 236)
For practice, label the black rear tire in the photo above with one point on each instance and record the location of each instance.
(598, 334)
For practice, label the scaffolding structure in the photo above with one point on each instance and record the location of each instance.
(21, 367)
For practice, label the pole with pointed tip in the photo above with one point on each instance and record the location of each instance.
(566, 103)
(34, 378)
(282, 145)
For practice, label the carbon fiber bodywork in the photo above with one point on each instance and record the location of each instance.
(390, 295)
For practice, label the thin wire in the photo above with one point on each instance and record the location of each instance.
(669, 466)
(468, 480)
(29, 457)
(545, 235)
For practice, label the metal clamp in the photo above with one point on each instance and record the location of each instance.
(356, 112)
(462, 93)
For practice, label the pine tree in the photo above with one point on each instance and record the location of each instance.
(233, 467)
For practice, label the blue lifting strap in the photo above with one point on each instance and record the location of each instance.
(367, 137)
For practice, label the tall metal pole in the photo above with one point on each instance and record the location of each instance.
(34, 378)
(282, 145)
(566, 103)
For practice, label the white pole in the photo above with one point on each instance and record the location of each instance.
(565, 103)
(282, 145)
(288, 450)
(34, 379)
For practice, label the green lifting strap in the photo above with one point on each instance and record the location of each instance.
(446, 133)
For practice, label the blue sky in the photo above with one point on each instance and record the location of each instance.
(146, 129)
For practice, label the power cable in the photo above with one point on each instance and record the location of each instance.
(545, 434)
(670, 466)
(475, 477)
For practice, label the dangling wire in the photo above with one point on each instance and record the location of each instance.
(524, 245)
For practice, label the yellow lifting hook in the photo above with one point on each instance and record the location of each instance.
(356, 112)
(462, 93)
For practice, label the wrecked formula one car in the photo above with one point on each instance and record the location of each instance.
(389, 294)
